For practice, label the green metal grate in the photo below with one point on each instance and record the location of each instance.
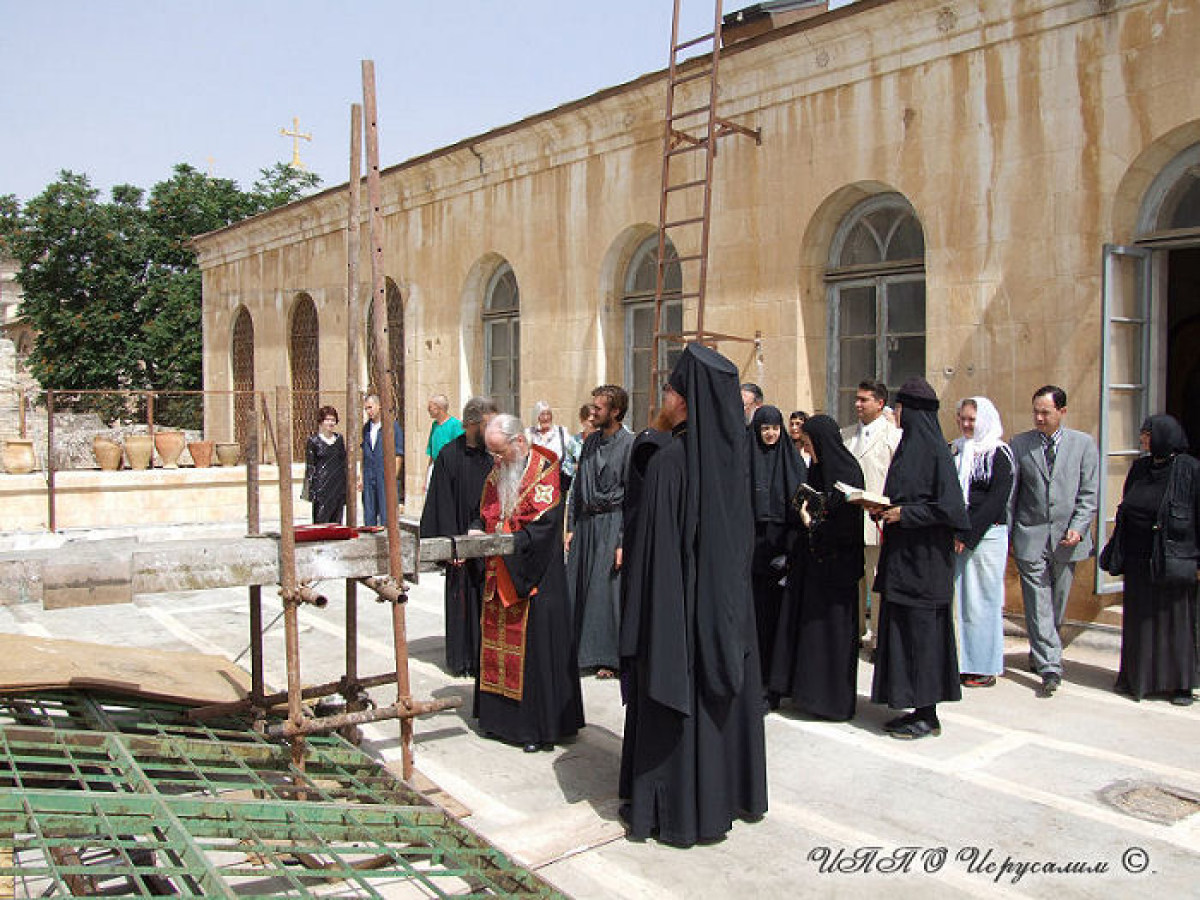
(130, 799)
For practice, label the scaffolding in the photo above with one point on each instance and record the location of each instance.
(100, 795)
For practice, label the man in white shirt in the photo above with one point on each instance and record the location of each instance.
(873, 441)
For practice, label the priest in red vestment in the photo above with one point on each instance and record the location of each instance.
(527, 691)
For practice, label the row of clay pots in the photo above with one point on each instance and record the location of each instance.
(139, 451)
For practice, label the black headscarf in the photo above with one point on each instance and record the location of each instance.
(718, 524)
(833, 461)
(1167, 436)
(776, 471)
(922, 468)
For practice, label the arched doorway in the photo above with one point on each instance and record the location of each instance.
(1151, 316)
(304, 346)
(242, 363)
(875, 280)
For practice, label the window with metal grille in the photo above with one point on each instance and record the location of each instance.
(637, 297)
(305, 358)
(395, 349)
(876, 290)
(242, 353)
(502, 340)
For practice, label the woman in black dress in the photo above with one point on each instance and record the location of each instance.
(325, 469)
(917, 660)
(1158, 629)
(776, 473)
(816, 650)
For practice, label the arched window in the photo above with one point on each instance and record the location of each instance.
(637, 298)
(242, 352)
(395, 349)
(502, 340)
(876, 283)
(305, 355)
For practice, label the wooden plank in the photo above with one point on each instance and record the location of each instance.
(35, 663)
(115, 571)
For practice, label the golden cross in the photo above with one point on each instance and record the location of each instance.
(296, 135)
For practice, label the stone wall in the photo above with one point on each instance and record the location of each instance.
(1024, 135)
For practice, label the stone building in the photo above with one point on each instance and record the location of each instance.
(995, 194)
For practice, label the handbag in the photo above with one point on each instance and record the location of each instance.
(1112, 557)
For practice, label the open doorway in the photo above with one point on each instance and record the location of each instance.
(1182, 388)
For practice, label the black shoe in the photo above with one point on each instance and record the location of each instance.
(900, 722)
(917, 728)
(532, 748)
(1182, 698)
(1050, 683)
(547, 745)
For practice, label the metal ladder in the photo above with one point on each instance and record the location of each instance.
(692, 130)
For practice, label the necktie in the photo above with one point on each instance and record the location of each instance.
(1048, 447)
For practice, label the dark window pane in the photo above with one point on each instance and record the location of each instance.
(905, 359)
(499, 331)
(905, 307)
(1187, 207)
(861, 246)
(857, 361)
(504, 295)
(907, 240)
(856, 310)
(845, 408)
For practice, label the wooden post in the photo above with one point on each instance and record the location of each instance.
(353, 365)
(380, 340)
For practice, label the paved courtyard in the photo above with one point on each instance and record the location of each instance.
(1013, 785)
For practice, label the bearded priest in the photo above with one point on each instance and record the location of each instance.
(527, 691)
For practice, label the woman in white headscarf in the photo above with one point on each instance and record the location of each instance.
(985, 471)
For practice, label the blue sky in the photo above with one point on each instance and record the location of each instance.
(124, 89)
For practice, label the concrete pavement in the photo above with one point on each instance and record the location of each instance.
(1013, 783)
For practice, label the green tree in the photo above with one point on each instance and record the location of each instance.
(112, 287)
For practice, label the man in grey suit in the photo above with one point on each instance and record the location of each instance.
(1054, 503)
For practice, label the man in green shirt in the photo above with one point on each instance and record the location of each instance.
(445, 429)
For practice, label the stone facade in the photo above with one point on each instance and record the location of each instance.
(1024, 136)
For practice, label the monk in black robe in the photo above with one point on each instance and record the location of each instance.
(527, 691)
(816, 652)
(776, 472)
(916, 661)
(693, 757)
(451, 505)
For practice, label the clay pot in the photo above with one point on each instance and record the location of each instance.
(107, 452)
(202, 453)
(169, 445)
(18, 456)
(228, 454)
(139, 450)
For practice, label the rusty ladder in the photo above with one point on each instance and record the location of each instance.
(687, 131)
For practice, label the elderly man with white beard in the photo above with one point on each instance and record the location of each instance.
(527, 691)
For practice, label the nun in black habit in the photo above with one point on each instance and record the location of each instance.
(776, 473)
(693, 756)
(1159, 629)
(917, 661)
(451, 505)
(816, 652)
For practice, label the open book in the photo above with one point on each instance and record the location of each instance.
(861, 497)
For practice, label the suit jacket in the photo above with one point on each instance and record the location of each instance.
(372, 457)
(875, 458)
(1045, 508)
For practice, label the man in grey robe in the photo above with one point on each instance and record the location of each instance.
(594, 527)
